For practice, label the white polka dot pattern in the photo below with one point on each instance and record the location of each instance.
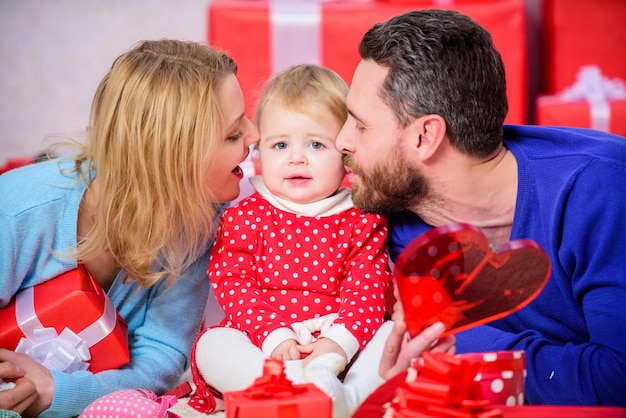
(501, 376)
(271, 268)
(130, 403)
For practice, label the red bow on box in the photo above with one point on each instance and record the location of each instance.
(272, 395)
(273, 382)
(441, 385)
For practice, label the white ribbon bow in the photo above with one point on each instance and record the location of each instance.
(304, 330)
(592, 87)
(66, 352)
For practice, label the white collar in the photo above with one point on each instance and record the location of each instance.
(338, 202)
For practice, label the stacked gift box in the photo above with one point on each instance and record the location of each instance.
(267, 36)
(583, 71)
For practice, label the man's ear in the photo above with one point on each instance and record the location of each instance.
(429, 132)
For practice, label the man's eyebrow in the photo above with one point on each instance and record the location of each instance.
(354, 116)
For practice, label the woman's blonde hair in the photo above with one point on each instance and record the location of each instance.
(308, 89)
(154, 126)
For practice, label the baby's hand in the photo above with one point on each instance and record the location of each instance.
(287, 350)
(319, 347)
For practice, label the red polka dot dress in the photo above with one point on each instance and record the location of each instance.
(272, 268)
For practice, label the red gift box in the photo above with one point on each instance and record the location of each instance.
(466, 385)
(266, 37)
(14, 163)
(67, 323)
(579, 33)
(274, 396)
(609, 116)
(501, 376)
(593, 101)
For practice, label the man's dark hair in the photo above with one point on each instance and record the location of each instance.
(442, 62)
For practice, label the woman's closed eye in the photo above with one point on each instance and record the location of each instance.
(236, 137)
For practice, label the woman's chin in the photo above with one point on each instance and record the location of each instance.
(227, 196)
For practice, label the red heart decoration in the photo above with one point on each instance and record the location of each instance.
(452, 274)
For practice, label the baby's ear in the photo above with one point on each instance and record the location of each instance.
(256, 159)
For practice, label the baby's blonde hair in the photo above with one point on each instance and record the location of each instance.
(308, 89)
(154, 127)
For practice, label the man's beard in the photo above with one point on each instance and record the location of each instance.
(391, 187)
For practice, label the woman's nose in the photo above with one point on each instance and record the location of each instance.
(253, 134)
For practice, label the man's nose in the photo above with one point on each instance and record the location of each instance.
(342, 143)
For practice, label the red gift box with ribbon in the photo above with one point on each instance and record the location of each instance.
(441, 385)
(268, 36)
(274, 396)
(67, 323)
(593, 101)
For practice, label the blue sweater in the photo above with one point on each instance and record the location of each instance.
(38, 215)
(572, 201)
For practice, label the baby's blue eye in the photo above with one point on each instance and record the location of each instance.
(317, 145)
(280, 145)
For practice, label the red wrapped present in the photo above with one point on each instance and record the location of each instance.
(67, 323)
(500, 375)
(467, 385)
(274, 396)
(594, 101)
(579, 33)
(266, 37)
(14, 163)
(441, 385)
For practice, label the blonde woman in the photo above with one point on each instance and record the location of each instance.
(137, 205)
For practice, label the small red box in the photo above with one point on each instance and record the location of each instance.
(333, 30)
(501, 375)
(73, 300)
(552, 111)
(309, 403)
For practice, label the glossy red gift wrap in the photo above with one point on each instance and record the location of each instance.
(594, 101)
(267, 36)
(500, 375)
(274, 396)
(441, 385)
(67, 323)
(554, 111)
